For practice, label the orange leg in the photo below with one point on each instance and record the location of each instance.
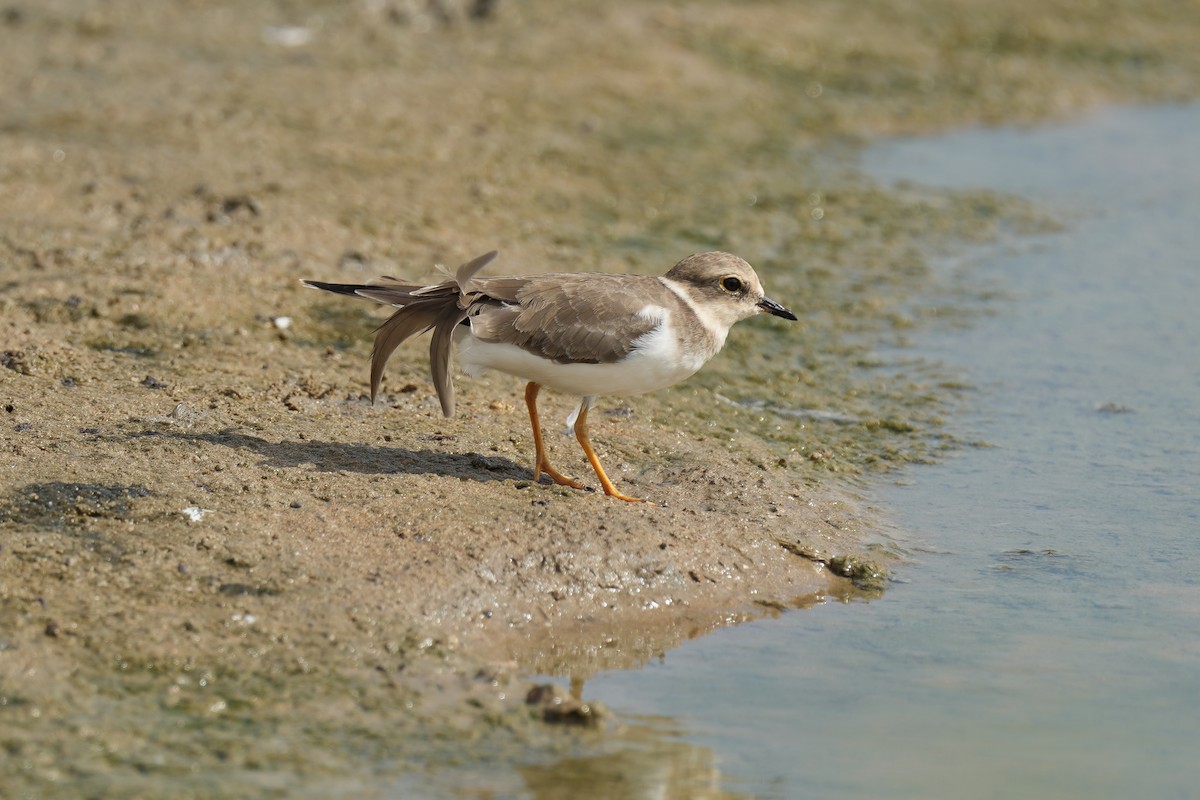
(581, 433)
(543, 463)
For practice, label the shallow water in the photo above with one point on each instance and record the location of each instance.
(1045, 638)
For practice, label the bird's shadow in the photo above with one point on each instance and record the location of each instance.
(364, 458)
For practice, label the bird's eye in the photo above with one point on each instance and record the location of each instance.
(731, 284)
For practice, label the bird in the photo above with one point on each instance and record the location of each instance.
(579, 333)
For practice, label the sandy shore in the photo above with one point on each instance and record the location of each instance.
(223, 571)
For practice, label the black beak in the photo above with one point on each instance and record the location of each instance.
(769, 306)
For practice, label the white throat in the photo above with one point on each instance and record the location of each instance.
(703, 313)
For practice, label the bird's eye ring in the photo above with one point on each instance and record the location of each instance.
(731, 284)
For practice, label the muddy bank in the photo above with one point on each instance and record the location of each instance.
(222, 568)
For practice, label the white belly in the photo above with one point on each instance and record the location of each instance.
(655, 364)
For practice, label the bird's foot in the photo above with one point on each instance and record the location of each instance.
(611, 492)
(555, 475)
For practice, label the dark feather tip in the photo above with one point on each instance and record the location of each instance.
(349, 289)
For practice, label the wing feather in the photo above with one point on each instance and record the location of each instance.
(410, 320)
(439, 359)
(593, 318)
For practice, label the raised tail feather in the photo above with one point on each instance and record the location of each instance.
(438, 307)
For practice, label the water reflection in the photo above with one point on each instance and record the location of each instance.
(577, 653)
(650, 761)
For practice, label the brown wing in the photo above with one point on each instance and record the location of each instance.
(589, 319)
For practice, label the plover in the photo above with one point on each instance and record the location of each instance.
(584, 334)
